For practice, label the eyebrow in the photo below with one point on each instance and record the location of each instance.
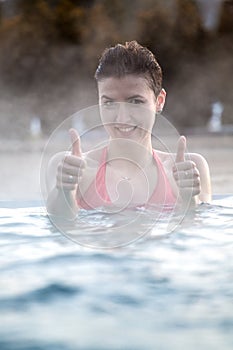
(136, 96)
(107, 97)
(130, 97)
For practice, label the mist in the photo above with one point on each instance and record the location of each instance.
(50, 50)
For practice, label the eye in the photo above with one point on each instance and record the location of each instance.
(109, 103)
(136, 101)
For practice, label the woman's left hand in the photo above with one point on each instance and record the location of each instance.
(185, 173)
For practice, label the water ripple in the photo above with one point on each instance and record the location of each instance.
(156, 293)
(40, 295)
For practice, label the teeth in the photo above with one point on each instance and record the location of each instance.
(127, 129)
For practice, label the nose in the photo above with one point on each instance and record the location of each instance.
(123, 113)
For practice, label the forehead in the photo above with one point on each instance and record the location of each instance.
(129, 84)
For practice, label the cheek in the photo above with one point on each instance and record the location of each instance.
(149, 122)
(107, 115)
(148, 116)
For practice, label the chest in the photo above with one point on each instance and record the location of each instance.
(130, 189)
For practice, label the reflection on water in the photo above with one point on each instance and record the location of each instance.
(160, 292)
(107, 229)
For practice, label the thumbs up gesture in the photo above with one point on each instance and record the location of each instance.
(186, 173)
(70, 168)
(75, 142)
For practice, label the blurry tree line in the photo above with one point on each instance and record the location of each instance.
(49, 50)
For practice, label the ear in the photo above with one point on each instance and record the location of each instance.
(160, 101)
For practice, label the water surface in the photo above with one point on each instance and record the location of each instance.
(166, 292)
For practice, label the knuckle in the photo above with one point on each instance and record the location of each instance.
(79, 172)
(59, 167)
(58, 177)
(192, 164)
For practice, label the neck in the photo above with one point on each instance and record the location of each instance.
(121, 151)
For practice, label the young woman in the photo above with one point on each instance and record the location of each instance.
(127, 172)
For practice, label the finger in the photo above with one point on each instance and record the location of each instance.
(69, 179)
(76, 143)
(184, 168)
(66, 183)
(66, 187)
(189, 188)
(184, 175)
(181, 149)
(74, 161)
(188, 183)
(73, 171)
(187, 193)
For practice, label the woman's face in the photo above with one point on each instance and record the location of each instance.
(128, 106)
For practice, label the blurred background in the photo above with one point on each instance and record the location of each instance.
(49, 50)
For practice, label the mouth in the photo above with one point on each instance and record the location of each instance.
(126, 129)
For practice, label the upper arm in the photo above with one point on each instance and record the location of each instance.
(203, 168)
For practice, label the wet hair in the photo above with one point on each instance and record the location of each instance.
(131, 58)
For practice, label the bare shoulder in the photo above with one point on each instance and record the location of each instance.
(93, 157)
(165, 157)
(197, 158)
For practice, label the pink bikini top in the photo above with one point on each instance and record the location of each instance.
(97, 196)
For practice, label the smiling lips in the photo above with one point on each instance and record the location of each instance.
(126, 129)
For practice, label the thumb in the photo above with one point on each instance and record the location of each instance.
(76, 143)
(181, 149)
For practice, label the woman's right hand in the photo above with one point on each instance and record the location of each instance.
(70, 168)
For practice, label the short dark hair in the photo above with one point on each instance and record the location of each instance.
(131, 58)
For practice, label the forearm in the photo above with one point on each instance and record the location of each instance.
(62, 204)
(185, 205)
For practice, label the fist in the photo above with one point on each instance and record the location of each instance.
(70, 168)
(185, 173)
